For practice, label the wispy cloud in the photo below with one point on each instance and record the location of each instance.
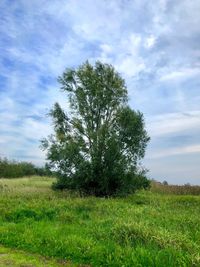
(174, 123)
(176, 151)
(182, 74)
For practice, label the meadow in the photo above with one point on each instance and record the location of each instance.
(42, 227)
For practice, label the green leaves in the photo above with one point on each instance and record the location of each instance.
(97, 147)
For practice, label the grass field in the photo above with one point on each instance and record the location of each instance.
(40, 227)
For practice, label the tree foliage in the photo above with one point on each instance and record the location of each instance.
(98, 144)
(15, 169)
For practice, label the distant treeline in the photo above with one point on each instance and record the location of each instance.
(165, 188)
(14, 169)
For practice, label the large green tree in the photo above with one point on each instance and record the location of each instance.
(98, 144)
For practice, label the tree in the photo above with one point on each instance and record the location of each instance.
(14, 169)
(98, 145)
(165, 182)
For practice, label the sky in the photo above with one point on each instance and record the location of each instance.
(153, 44)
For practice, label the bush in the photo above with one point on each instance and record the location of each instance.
(14, 169)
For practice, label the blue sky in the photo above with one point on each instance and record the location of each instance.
(154, 44)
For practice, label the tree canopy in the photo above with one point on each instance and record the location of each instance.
(99, 142)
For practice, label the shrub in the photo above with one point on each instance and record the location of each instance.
(14, 169)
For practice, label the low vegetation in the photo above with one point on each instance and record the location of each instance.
(165, 188)
(15, 169)
(144, 229)
(15, 258)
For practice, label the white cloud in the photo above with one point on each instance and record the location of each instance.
(174, 123)
(182, 74)
(156, 154)
(150, 41)
(128, 60)
(107, 49)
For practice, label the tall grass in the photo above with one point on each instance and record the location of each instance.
(145, 229)
(186, 189)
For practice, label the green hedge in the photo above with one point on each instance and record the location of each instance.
(14, 169)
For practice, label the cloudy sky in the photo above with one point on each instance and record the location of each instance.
(154, 44)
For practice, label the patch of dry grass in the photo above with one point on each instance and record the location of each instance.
(157, 187)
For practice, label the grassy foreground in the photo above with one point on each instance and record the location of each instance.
(145, 229)
(16, 258)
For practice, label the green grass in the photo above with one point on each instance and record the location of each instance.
(15, 258)
(145, 229)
